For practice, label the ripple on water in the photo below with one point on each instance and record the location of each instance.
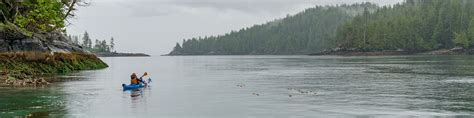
(469, 80)
(90, 94)
(36, 107)
(50, 97)
(294, 91)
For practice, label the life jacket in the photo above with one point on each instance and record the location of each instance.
(134, 81)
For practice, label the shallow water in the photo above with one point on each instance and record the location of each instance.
(259, 86)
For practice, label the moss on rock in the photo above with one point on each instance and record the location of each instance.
(25, 65)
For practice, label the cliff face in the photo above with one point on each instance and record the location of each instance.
(11, 41)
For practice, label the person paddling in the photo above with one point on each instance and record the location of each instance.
(135, 80)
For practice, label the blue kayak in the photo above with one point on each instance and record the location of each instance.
(132, 86)
(135, 86)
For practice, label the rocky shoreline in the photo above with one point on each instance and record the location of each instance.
(30, 68)
(26, 59)
(362, 53)
(338, 52)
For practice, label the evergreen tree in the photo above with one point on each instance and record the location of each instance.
(112, 44)
(470, 33)
(104, 47)
(96, 47)
(177, 47)
(461, 40)
(87, 42)
(76, 40)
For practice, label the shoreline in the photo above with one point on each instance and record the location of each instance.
(119, 54)
(454, 51)
(23, 69)
(361, 53)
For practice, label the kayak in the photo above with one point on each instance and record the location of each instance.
(132, 86)
(136, 86)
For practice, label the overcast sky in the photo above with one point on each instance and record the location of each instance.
(154, 26)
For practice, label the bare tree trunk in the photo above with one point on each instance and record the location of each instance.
(70, 8)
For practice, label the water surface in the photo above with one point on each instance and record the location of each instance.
(259, 86)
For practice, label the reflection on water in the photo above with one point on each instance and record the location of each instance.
(32, 102)
(136, 93)
(260, 86)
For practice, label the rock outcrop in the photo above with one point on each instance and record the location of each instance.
(11, 41)
(25, 58)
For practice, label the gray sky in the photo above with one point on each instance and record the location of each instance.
(154, 26)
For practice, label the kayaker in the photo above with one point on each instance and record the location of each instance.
(136, 80)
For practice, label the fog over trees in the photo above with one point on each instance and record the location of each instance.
(309, 31)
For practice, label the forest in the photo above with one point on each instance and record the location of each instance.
(415, 26)
(309, 31)
(411, 26)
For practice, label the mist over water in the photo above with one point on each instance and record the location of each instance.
(259, 86)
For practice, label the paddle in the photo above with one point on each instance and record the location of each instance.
(144, 82)
(149, 80)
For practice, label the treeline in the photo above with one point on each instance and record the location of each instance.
(415, 25)
(310, 31)
(99, 46)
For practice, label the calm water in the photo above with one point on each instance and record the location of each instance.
(259, 86)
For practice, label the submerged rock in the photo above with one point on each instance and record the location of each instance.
(24, 83)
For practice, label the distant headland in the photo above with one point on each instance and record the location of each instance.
(119, 54)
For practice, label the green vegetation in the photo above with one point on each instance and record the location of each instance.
(412, 26)
(20, 19)
(37, 16)
(415, 26)
(99, 45)
(310, 31)
(28, 64)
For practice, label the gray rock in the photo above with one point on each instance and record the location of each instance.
(3, 45)
(45, 42)
(34, 44)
